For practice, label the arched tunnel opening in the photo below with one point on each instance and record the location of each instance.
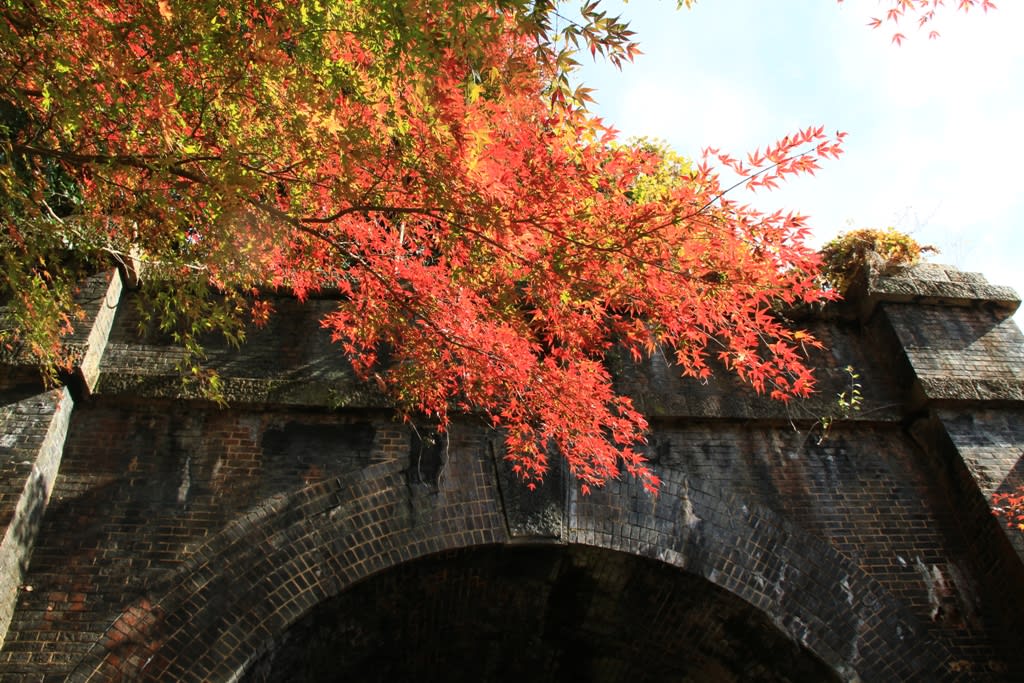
(536, 613)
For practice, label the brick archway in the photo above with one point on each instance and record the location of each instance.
(539, 612)
(225, 605)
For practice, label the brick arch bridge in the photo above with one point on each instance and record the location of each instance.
(152, 536)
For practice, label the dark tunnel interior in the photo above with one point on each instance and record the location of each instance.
(535, 613)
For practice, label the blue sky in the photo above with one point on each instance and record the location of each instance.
(934, 126)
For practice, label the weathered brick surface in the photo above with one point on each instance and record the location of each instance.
(933, 283)
(860, 509)
(974, 454)
(290, 361)
(190, 542)
(660, 392)
(98, 299)
(960, 354)
(32, 433)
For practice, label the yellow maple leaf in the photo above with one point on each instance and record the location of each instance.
(331, 124)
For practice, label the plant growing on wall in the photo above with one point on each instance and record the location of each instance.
(430, 161)
(849, 256)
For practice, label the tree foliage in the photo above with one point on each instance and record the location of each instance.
(427, 159)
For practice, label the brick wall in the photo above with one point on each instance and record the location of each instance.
(185, 541)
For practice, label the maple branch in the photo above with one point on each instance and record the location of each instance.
(620, 250)
(140, 161)
(750, 177)
(676, 220)
(144, 161)
(371, 208)
(399, 296)
(432, 213)
(135, 160)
